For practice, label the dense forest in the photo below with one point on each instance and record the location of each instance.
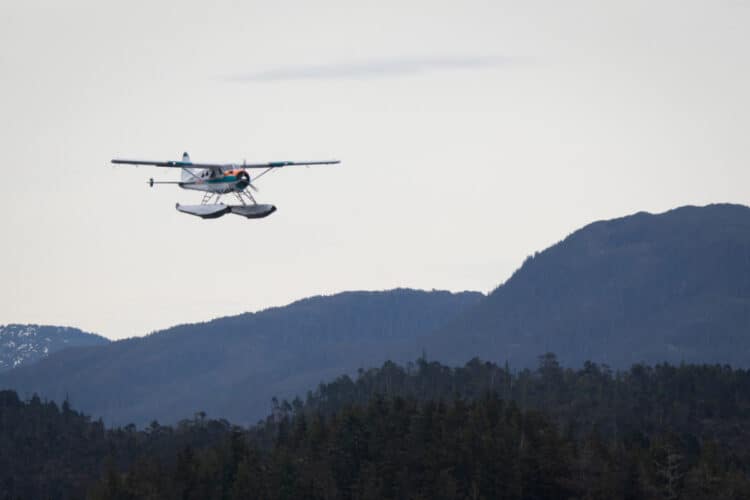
(423, 430)
(48, 451)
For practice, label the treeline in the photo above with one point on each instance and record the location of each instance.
(389, 448)
(394, 448)
(426, 430)
(706, 401)
(54, 452)
(423, 430)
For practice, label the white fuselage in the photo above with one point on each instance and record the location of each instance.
(206, 180)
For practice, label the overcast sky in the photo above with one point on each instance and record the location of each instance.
(472, 134)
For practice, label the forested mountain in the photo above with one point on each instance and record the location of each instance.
(643, 288)
(24, 344)
(423, 430)
(232, 367)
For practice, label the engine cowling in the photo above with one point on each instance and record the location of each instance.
(243, 180)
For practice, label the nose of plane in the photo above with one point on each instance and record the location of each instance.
(243, 179)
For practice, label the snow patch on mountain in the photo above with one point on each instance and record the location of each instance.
(24, 344)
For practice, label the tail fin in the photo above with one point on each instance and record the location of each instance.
(188, 174)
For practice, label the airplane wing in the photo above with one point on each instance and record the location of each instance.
(276, 164)
(173, 164)
(221, 166)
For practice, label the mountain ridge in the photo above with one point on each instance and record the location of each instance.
(644, 288)
(615, 288)
(281, 351)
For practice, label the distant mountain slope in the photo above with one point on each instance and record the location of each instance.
(232, 367)
(643, 288)
(24, 344)
(653, 288)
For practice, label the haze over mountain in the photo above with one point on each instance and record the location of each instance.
(281, 351)
(24, 344)
(643, 288)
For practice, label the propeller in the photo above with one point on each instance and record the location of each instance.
(246, 177)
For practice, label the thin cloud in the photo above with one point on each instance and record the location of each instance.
(374, 69)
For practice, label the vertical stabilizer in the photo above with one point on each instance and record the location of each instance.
(188, 174)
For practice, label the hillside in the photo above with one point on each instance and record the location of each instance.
(21, 345)
(232, 367)
(643, 288)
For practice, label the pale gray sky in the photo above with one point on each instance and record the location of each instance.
(471, 133)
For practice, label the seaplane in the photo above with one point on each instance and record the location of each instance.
(216, 180)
